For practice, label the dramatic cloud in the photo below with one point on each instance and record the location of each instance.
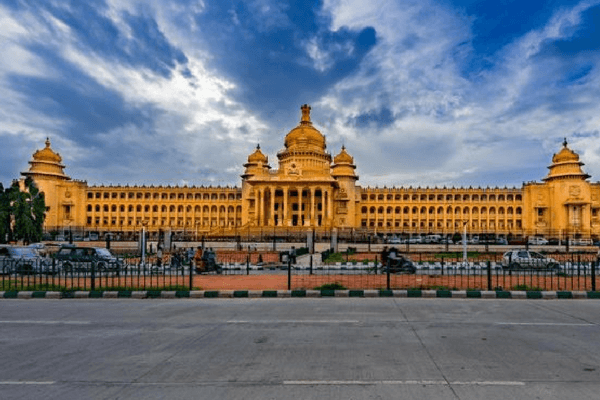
(420, 92)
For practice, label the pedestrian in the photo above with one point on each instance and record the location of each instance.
(159, 255)
(384, 256)
(198, 261)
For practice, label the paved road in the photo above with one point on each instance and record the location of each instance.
(381, 348)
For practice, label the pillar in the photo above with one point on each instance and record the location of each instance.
(256, 205)
(285, 221)
(272, 198)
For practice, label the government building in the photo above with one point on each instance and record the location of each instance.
(312, 190)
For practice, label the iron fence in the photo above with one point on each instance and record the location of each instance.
(281, 270)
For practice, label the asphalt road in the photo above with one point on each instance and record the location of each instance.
(328, 348)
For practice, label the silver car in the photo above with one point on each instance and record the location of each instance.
(516, 259)
(23, 260)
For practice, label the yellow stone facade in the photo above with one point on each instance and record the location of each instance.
(310, 189)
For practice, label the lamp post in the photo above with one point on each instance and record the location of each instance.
(465, 242)
(143, 242)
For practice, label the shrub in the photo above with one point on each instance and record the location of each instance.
(331, 286)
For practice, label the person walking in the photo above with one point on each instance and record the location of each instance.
(198, 261)
(159, 256)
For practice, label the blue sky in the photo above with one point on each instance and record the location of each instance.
(421, 93)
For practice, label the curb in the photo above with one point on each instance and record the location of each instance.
(255, 294)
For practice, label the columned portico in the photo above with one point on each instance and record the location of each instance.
(301, 192)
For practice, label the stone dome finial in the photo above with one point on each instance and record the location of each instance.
(258, 156)
(565, 164)
(305, 114)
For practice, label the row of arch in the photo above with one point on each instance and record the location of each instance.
(441, 197)
(163, 208)
(440, 210)
(165, 196)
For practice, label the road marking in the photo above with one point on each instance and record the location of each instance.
(415, 382)
(546, 323)
(27, 383)
(46, 322)
(295, 321)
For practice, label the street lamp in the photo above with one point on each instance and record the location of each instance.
(465, 242)
(143, 242)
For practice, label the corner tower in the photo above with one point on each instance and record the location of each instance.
(64, 197)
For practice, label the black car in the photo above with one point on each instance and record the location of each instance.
(73, 258)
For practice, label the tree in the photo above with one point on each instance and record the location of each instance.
(5, 215)
(22, 213)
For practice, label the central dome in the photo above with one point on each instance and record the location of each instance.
(305, 136)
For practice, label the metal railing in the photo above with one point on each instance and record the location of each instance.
(490, 271)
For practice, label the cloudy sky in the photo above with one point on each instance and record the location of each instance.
(421, 93)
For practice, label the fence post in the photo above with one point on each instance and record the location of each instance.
(248, 264)
(289, 273)
(311, 265)
(594, 263)
(93, 275)
(489, 275)
(442, 271)
(191, 274)
(388, 273)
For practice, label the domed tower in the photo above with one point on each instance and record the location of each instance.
(343, 166)
(46, 164)
(64, 197)
(343, 172)
(566, 166)
(258, 164)
(304, 152)
(562, 205)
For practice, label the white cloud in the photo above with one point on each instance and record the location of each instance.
(415, 71)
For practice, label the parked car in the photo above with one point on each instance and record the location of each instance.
(501, 241)
(581, 242)
(23, 260)
(73, 258)
(519, 258)
(415, 240)
(537, 240)
(395, 240)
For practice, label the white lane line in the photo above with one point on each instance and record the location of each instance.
(545, 323)
(46, 322)
(295, 321)
(27, 383)
(416, 382)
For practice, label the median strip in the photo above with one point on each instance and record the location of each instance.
(254, 294)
